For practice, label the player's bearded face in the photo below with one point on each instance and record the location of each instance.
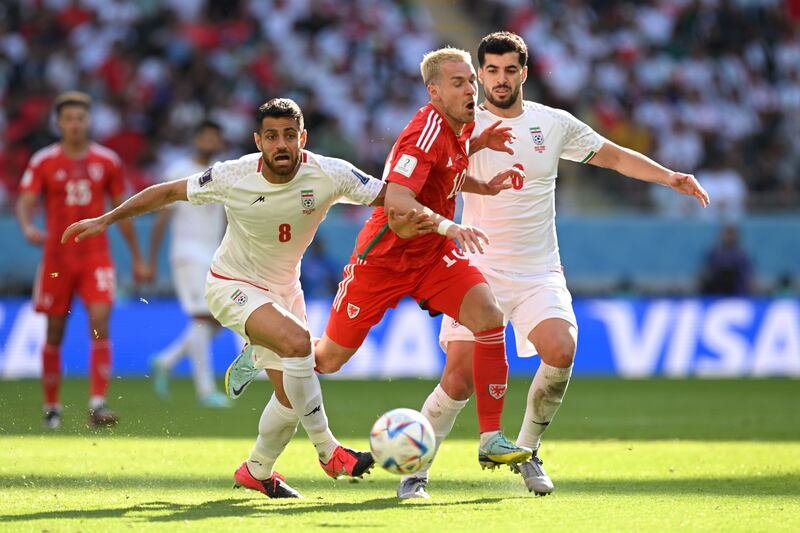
(280, 143)
(502, 77)
(504, 94)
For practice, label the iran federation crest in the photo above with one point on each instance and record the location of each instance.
(497, 390)
(352, 310)
(307, 201)
(239, 297)
(538, 138)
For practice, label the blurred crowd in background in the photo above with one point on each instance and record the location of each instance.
(156, 68)
(704, 86)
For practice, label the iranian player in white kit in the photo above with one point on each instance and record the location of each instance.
(196, 234)
(274, 200)
(522, 264)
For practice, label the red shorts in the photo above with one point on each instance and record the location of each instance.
(367, 291)
(59, 278)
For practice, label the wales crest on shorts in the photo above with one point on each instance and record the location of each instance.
(307, 201)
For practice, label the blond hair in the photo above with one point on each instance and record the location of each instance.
(77, 98)
(432, 62)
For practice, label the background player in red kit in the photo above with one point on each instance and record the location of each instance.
(75, 176)
(425, 170)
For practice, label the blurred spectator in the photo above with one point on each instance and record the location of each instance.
(727, 270)
(784, 286)
(725, 187)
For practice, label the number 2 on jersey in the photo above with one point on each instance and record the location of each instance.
(285, 232)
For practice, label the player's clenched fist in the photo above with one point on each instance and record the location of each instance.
(88, 227)
(468, 237)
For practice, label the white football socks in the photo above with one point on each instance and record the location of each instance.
(304, 392)
(544, 398)
(276, 428)
(198, 346)
(441, 411)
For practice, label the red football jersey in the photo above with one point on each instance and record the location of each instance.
(430, 159)
(73, 189)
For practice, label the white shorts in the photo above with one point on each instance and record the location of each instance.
(189, 278)
(526, 300)
(232, 302)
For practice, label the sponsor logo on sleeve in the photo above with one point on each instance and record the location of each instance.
(204, 178)
(406, 165)
(363, 178)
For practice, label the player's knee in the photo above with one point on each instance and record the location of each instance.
(488, 316)
(296, 344)
(559, 353)
(458, 387)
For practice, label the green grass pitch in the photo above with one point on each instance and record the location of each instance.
(650, 455)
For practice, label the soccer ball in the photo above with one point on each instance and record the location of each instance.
(402, 441)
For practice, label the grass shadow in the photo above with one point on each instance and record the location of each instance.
(251, 504)
(257, 507)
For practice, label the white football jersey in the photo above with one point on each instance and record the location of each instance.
(196, 230)
(520, 221)
(271, 225)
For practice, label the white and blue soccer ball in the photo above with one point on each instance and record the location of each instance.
(402, 441)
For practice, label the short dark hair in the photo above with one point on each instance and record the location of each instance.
(69, 98)
(208, 124)
(502, 42)
(279, 108)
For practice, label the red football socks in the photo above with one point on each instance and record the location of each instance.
(51, 373)
(100, 366)
(490, 370)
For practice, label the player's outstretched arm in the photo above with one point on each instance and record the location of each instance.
(150, 199)
(639, 166)
(495, 138)
(500, 182)
(402, 200)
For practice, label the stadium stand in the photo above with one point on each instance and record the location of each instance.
(655, 75)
